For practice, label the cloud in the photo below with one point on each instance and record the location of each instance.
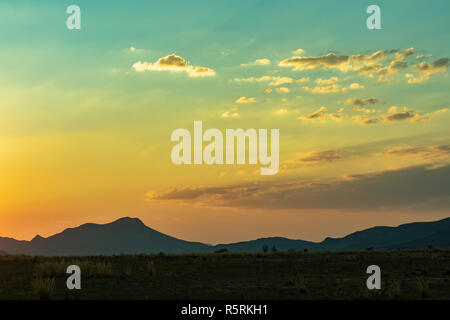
(200, 72)
(302, 80)
(281, 112)
(245, 100)
(428, 154)
(336, 116)
(344, 63)
(325, 89)
(368, 121)
(174, 63)
(133, 50)
(328, 61)
(298, 52)
(365, 110)
(364, 64)
(386, 73)
(355, 86)
(437, 66)
(371, 116)
(257, 62)
(364, 120)
(415, 188)
(273, 81)
(332, 80)
(229, 114)
(316, 157)
(320, 114)
(283, 90)
(395, 114)
(362, 102)
(426, 70)
(331, 86)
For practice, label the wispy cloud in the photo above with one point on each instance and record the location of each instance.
(272, 80)
(257, 62)
(320, 114)
(407, 187)
(315, 157)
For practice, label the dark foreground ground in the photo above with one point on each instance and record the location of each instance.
(420, 274)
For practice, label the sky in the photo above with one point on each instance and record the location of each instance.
(86, 115)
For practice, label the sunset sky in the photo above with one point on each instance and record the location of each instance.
(86, 115)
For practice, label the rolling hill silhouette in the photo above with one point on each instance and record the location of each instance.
(132, 236)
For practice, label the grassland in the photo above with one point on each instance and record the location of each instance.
(419, 274)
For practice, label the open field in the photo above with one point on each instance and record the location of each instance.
(419, 274)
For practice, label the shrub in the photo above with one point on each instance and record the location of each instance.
(423, 288)
(301, 283)
(394, 291)
(88, 268)
(44, 287)
(151, 267)
(102, 269)
(369, 294)
(127, 271)
(48, 269)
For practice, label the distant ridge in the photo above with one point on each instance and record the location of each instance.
(125, 235)
(132, 236)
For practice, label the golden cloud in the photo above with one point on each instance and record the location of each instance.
(283, 90)
(426, 70)
(316, 157)
(320, 114)
(174, 63)
(273, 81)
(245, 100)
(257, 62)
(331, 80)
(325, 89)
(369, 64)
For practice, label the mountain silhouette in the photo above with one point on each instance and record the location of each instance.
(132, 236)
(126, 235)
